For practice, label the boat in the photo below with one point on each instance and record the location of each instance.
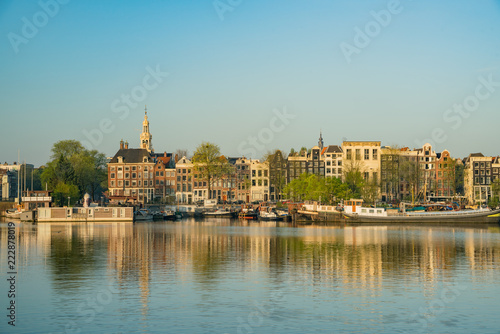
(268, 213)
(143, 215)
(355, 212)
(219, 213)
(168, 215)
(13, 213)
(248, 214)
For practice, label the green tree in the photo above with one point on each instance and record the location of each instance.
(353, 176)
(73, 167)
(209, 164)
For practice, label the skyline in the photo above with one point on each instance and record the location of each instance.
(405, 73)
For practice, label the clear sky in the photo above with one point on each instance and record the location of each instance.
(249, 76)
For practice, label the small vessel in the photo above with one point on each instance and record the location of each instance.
(13, 213)
(268, 213)
(248, 214)
(168, 215)
(219, 213)
(142, 215)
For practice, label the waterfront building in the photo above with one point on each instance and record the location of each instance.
(363, 156)
(311, 162)
(332, 156)
(138, 175)
(131, 176)
(259, 180)
(165, 178)
(445, 176)
(15, 180)
(277, 175)
(242, 167)
(390, 173)
(479, 174)
(185, 182)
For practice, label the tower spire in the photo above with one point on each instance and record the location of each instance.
(320, 141)
(146, 136)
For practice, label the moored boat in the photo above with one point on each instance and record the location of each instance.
(143, 215)
(355, 212)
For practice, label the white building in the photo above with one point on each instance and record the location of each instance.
(363, 155)
(259, 190)
(333, 161)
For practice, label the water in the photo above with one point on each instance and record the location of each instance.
(225, 276)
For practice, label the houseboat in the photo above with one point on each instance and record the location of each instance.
(354, 211)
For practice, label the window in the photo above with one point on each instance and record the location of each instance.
(358, 154)
(127, 175)
(366, 176)
(112, 175)
(265, 182)
(260, 173)
(348, 154)
(265, 172)
(134, 175)
(254, 173)
(367, 154)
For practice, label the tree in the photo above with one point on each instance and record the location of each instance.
(74, 167)
(391, 174)
(209, 164)
(181, 152)
(66, 148)
(409, 174)
(495, 194)
(277, 173)
(459, 179)
(353, 176)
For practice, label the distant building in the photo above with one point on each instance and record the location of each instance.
(131, 176)
(479, 174)
(306, 162)
(445, 176)
(333, 161)
(277, 175)
(259, 181)
(363, 156)
(138, 175)
(15, 177)
(185, 182)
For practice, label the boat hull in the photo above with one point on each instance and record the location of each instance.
(483, 217)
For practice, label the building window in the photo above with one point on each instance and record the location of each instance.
(348, 154)
(375, 154)
(112, 175)
(367, 154)
(358, 154)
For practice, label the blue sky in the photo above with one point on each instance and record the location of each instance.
(231, 69)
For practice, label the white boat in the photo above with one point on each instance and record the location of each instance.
(13, 213)
(269, 214)
(219, 213)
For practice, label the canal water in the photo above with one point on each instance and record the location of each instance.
(227, 276)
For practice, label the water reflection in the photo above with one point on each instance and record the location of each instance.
(213, 255)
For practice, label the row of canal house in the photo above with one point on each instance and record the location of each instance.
(142, 176)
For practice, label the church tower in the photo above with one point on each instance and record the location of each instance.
(320, 141)
(146, 136)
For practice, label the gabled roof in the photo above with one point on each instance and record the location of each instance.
(333, 149)
(476, 155)
(131, 155)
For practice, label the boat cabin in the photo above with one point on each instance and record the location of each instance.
(356, 206)
(353, 205)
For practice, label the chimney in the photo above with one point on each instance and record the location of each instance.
(176, 158)
(126, 145)
(165, 154)
(121, 144)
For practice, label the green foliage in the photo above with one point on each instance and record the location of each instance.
(310, 187)
(74, 171)
(209, 163)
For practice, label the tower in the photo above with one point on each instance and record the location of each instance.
(320, 141)
(146, 136)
